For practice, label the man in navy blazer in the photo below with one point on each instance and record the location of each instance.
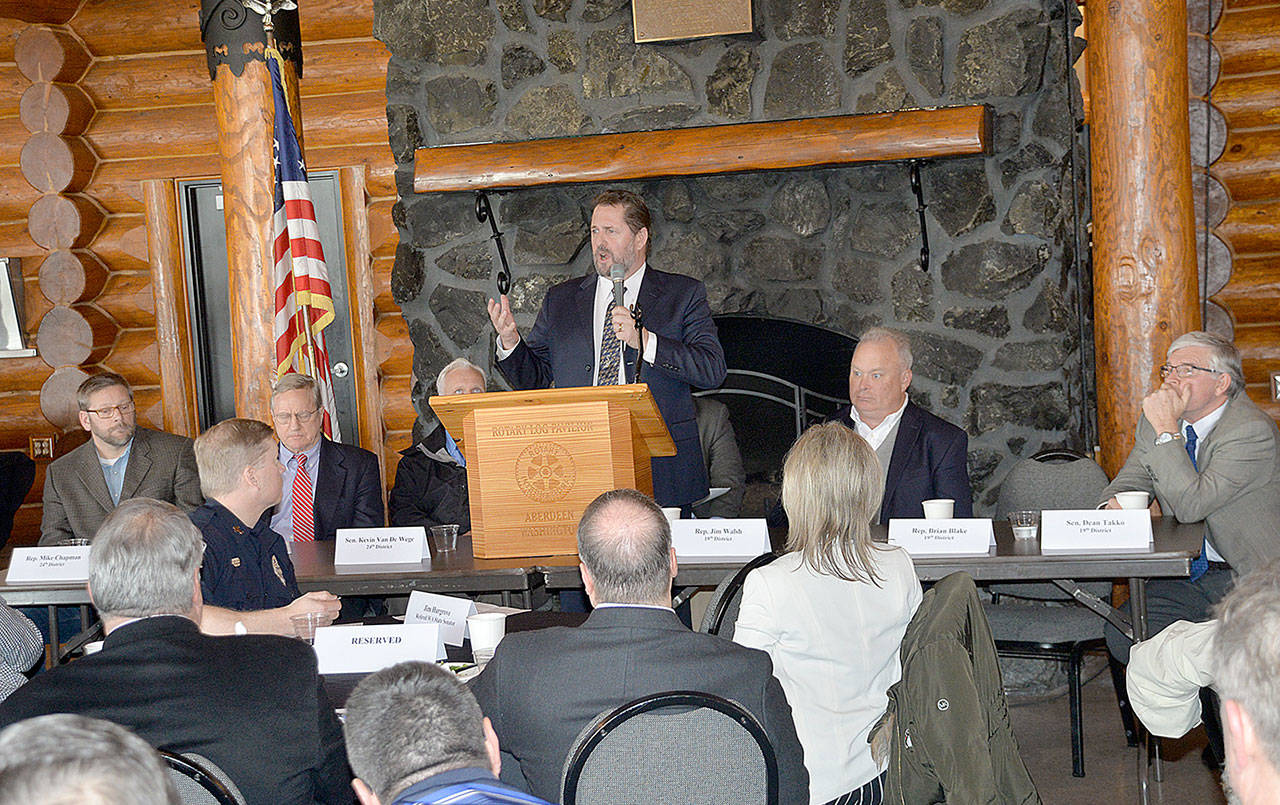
(578, 323)
(923, 457)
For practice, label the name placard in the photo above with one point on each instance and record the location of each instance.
(380, 546)
(447, 612)
(719, 540)
(960, 537)
(365, 649)
(70, 563)
(1095, 531)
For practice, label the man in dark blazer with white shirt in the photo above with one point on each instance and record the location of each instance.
(578, 323)
(924, 457)
(252, 704)
(120, 461)
(541, 688)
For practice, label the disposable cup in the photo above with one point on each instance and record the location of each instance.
(487, 629)
(939, 508)
(672, 512)
(1133, 500)
(1024, 524)
(444, 537)
(305, 625)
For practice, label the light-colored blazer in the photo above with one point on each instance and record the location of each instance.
(76, 499)
(1236, 489)
(834, 645)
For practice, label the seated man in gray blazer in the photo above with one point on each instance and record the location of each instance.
(120, 461)
(541, 688)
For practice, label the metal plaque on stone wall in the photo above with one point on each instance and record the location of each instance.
(661, 20)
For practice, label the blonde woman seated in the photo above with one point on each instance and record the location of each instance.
(831, 611)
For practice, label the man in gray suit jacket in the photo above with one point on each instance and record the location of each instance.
(541, 688)
(1205, 452)
(120, 461)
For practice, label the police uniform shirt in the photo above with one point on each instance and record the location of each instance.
(244, 568)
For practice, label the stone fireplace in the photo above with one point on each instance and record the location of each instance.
(999, 321)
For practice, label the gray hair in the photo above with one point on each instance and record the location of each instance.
(65, 758)
(92, 385)
(223, 452)
(900, 342)
(293, 381)
(409, 722)
(144, 560)
(624, 539)
(1248, 653)
(458, 363)
(1223, 355)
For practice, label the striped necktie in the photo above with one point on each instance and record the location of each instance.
(1201, 563)
(304, 525)
(610, 350)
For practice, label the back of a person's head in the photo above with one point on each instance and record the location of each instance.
(409, 722)
(223, 452)
(144, 560)
(1248, 653)
(832, 485)
(66, 759)
(624, 540)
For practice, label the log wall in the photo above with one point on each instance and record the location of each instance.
(90, 110)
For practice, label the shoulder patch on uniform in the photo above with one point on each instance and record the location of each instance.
(275, 565)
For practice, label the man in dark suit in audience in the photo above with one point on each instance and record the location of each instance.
(251, 704)
(923, 456)
(120, 461)
(541, 688)
(415, 736)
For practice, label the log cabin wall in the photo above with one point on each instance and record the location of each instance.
(150, 116)
(1241, 144)
(997, 321)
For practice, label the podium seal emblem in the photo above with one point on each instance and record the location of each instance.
(545, 472)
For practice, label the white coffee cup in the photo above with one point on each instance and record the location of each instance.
(1133, 500)
(487, 629)
(672, 512)
(939, 508)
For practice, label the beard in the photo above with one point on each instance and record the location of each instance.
(117, 435)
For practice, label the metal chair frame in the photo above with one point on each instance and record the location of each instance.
(713, 619)
(202, 777)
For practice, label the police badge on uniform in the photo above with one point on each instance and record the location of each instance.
(275, 565)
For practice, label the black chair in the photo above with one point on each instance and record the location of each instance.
(199, 780)
(1043, 622)
(683, 746)
(722, 610)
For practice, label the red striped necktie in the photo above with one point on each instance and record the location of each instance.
(304, 525)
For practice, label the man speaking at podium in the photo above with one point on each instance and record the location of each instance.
(583, 337)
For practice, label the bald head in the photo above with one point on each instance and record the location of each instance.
(624, 542)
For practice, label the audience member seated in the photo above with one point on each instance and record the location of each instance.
(924, 457)
(72, 759)
(247, 578)
(431, 480)
(1204, 451)
(21, 646)
(415, 736)
(722, 458)
(120, 461)
(1165, 675)
(17, 474)
(541, 688)
(832, 611)
(252, 705)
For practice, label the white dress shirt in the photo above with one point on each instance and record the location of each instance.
(876, 436)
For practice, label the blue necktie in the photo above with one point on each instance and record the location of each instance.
(1201, 563)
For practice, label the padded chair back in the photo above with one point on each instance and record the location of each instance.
(680, 747)
(722, 610)
(199, 780)
(1037, 484)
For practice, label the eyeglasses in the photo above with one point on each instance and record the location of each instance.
(110, 412)
(1185, 370)
(303, 417)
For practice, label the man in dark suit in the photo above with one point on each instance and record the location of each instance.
(924, 457)
(252, 704)
(541, 688)
(340, 486)
(120, 461)
(581, 338)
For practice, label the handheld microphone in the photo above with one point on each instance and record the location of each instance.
(617, 272)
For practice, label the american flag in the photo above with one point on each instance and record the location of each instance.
(303, 300)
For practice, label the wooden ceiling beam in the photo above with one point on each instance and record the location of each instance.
(49, 12)
(704, 150)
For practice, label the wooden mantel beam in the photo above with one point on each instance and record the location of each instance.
(773, 145)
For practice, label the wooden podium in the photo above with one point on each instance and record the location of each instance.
(535, 459)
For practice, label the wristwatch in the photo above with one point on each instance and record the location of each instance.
(1168, 437)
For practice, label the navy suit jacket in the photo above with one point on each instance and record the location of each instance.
(348, 491)
(930, 460)
(560, 351)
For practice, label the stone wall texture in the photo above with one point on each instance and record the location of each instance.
(1001, 347)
